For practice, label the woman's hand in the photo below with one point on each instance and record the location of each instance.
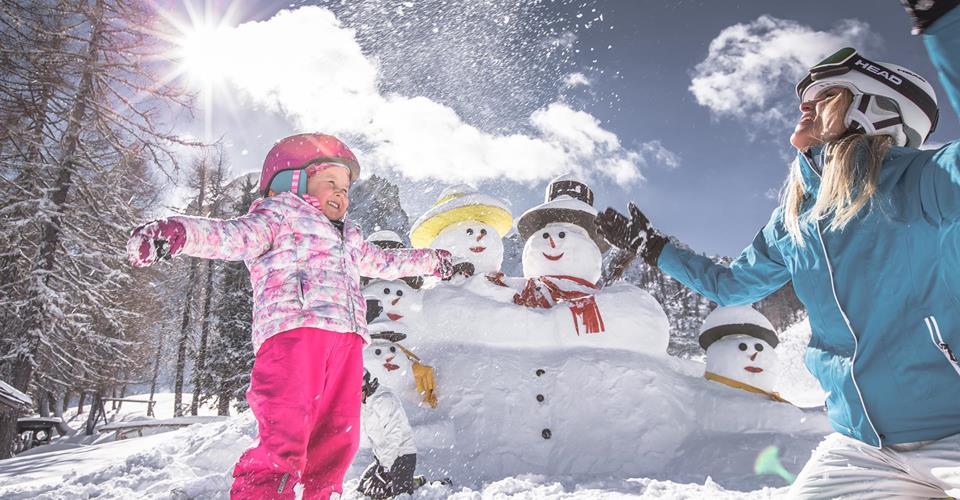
(925, 12)
(634, 234)
(160, 239)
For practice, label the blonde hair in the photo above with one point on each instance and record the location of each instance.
(848, 178)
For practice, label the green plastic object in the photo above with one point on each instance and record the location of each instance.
(768, 462)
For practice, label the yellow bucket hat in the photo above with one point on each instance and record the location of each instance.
(458, 204)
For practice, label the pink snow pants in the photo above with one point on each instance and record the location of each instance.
(305, 393)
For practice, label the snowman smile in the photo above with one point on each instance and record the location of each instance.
(753, 369)
(553, 257)
(394, 316)
(477, 249)
(390, 366)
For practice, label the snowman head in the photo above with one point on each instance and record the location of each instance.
(562, 249)
(744, 358)
(387, 362)
(475, 242)
(398, 299)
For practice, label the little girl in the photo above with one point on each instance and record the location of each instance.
(309, 327)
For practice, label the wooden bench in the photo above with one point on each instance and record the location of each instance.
(123, 430)
(120, 401)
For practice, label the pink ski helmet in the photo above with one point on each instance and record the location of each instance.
(284, 168)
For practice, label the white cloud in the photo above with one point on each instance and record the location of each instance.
(576, 80)
(752, 68)
(307, 65)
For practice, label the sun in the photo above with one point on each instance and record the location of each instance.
(202, 54)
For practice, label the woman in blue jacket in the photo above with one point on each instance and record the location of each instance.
(868, 233)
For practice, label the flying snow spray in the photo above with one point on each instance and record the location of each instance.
(768, 462)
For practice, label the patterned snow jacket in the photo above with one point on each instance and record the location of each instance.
(304, 272)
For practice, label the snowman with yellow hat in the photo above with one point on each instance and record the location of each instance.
(468, 224)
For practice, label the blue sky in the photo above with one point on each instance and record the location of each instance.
(518, 92)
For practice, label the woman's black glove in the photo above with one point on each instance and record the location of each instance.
(634, 234)
(925, 12)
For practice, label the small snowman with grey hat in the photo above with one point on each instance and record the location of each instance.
(741, 350)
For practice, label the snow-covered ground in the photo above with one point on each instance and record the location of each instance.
(654, 428)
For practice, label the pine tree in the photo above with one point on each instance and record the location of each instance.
(231, 350)
(80, 101)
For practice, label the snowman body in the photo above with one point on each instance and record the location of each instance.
(475, 242)
(744, 359)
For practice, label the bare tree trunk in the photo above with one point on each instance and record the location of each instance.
(185, 323)
(184, 339)
(8, 434)
(223, 401)
(96, 411)
(156, 372)
(198, 366)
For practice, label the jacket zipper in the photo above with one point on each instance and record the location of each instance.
(938, 341)
(856, 342)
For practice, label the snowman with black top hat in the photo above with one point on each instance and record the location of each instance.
(562, 261)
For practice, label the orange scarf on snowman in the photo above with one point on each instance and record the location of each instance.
(546, 291)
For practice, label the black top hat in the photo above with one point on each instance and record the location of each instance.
(567, 200)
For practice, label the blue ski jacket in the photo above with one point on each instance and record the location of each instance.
(883, 294)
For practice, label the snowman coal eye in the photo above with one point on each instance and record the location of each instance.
(393, 349)
(546, 235)
(758, 347)
(470, 232)
(386, 291)
(399, 293)
(743, 347)
(378, 352)
(483, 232)
(562, 234)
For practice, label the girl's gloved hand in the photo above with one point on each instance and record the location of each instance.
(634, 234)
(445, 268)
(150, 242)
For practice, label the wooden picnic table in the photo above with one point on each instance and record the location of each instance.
(35, 431)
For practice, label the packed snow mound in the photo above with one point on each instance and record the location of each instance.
(587, 413)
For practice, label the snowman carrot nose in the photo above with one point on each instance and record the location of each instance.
(481, 235)
(394, 301)
(754, 357)
(552, 243)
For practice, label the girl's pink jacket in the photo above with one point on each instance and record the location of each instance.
(304, 272)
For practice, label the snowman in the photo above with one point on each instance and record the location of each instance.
(397, 367)
(740, 344)
(562, 260)
(468, 224)
(398, 301)
(390, 240)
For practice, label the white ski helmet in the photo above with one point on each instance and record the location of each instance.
(887, 99)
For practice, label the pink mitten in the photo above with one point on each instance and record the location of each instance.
(160, 239)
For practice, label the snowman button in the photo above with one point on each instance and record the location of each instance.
(546, 433)
(540, 372)
(540, 397)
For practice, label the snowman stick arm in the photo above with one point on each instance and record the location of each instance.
(755, 274)
(391, 264)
